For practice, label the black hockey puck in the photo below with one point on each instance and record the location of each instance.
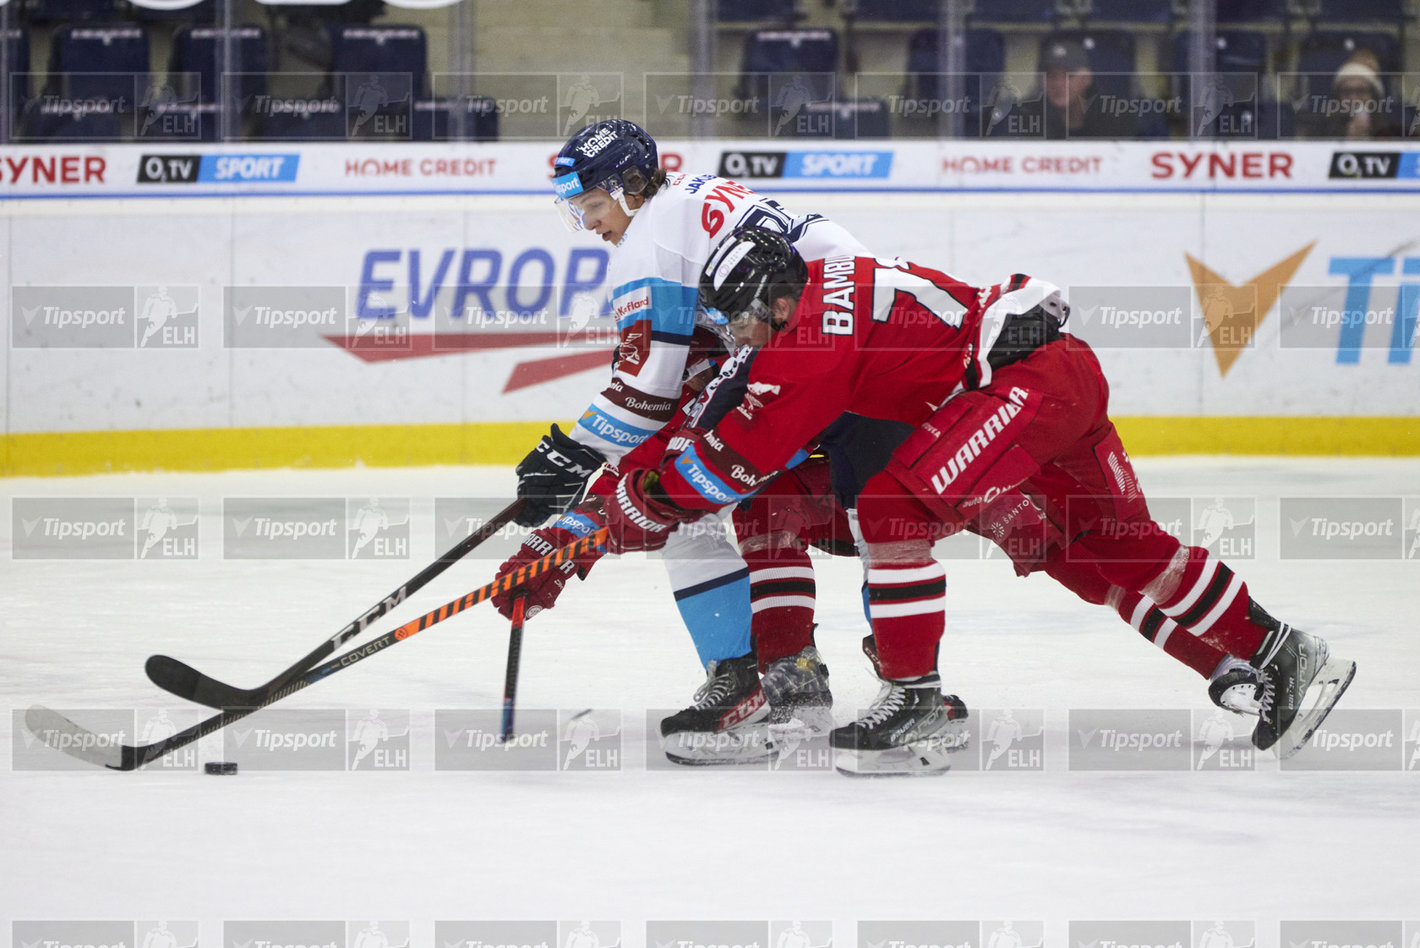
(220, 767)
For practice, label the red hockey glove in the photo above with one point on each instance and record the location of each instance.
(640, 517)
(542, 590)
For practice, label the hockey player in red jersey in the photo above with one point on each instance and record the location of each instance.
(896, 340)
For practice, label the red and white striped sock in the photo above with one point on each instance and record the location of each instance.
(1200, 593)
(906, 602)
(1145, 616)
(781, 595)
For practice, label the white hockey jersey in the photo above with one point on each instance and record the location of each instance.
(654, 276)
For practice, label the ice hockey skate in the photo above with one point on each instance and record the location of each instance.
(957, 735)
(800, 703)
(727, 722)
(908, 730)
(1301, 683)
(1236, 687)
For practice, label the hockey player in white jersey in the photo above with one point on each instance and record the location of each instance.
(663, 226)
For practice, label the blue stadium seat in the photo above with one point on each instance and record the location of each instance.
(1234, 51)
(1360, 11)
(17, 54)
(808, 57)
(201, 11)
(1128, 11)
(392, 50)
(1111, 54)
(433, 119)
(1018, 11)
(193, 61)
(98, 61)
(984, 62)
(1325, 50)
(893, 11)
(757, 11)
(1270, 12)
(70, 11)
(844, 119)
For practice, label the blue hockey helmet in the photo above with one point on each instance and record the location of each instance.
(616, 155)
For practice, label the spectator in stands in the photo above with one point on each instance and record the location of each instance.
(1358, 106)
(1069, 106)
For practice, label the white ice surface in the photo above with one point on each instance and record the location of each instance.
(694, 843)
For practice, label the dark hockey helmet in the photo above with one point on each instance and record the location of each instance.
(617, 156)
(747, 271)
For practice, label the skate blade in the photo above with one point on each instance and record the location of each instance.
(920, 759)
(697, 749)
(1329, 685)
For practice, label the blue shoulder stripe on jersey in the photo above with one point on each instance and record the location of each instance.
(672, 305)
(612, 429)
(706, 484)
(575, 523)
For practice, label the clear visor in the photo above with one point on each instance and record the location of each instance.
(576, 209)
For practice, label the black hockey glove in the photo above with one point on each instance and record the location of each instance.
(553, 476)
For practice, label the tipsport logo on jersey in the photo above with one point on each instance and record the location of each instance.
(139, 933)
(951, 934)
(105, 317)
(104, 528)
